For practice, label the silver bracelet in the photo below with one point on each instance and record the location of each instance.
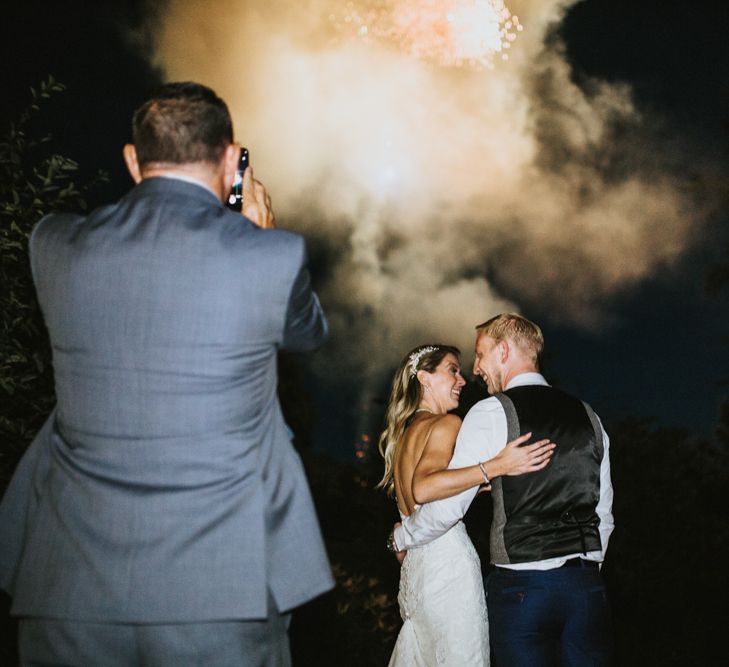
(391, 546)
(486, 479)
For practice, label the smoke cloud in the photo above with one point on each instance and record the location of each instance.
(434, 197)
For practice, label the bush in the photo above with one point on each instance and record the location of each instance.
(34, 181)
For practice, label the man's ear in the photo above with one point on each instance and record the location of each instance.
(230, 165)
(504, 350)
(130, 159)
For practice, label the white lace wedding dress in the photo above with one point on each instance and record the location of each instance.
(442, 605)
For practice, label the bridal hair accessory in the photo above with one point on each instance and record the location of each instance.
(416, 356)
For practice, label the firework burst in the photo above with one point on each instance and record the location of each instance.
(450, 33)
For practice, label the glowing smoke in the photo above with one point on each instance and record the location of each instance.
(421, 180)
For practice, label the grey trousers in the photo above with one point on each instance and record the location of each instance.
(46, 642)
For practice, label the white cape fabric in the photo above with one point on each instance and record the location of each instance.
(442, 605)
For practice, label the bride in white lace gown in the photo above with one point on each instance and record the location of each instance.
(441, 596)
(442, 605)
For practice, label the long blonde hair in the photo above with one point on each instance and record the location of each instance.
(404, 400)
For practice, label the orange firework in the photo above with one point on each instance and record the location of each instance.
(446, 32)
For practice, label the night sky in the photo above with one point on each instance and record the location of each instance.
(661, 348)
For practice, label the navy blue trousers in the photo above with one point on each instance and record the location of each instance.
(548, 618)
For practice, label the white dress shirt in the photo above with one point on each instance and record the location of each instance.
(482, 436)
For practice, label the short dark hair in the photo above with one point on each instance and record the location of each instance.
(182, 122)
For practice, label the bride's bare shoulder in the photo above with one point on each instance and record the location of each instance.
(433, 428)
(446, 423)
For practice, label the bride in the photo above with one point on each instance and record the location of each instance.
(441, 588)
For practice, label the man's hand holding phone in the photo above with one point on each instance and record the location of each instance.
(257, 202)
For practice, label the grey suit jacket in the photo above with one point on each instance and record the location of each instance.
(164, 487)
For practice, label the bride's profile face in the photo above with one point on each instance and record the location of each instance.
(445, 383)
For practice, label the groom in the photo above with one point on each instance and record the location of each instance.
(550, 530)
(162, 516)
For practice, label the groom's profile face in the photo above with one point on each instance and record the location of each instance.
(486, 364)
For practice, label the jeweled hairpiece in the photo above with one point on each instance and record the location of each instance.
(415, 357)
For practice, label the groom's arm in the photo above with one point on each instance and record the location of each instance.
(482, 436)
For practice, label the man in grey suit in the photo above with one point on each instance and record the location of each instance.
(161, 516)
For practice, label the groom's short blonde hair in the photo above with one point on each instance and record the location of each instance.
(526, 335)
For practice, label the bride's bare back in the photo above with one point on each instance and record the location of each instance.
(427, 446)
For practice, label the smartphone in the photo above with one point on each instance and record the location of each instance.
(235, 198)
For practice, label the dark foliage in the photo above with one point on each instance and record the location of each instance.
(666, 565)
(33, 182)
(356, 623)
(718, 277)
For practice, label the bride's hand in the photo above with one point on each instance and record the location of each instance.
(400, 555)
(517, 458)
